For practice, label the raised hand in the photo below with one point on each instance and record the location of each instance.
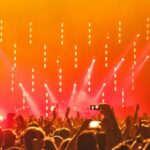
(135, 117)
(109, 124)
(67, 112)
(72, 144)
(128, 123)
(54, 114)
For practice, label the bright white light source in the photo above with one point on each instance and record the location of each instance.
(15, 45)
(60, 70)
(76, 65)
(75, 47)
(1, 118)
(147, 56)
(119, 22)
(57, 61)
(20, 84)
(75, 84)
(62, 24)
(94, 60)
(1, 21)
(45, 47)
(30, 23)
(75, 53)
(89, 24)
(89, 42)
(46, 114)
(60, 77)
(60, 83)
(62, 30)
(33, 90)
(138, 35)
(60, 90)
(33, 70)
(52, 108)
(94, 124)
(45, 85)
(89, 30)
(108, 37)
(123, 59)
(115, 69)
(33, 76)
(46, 101)
(104, 84)
(46, 94)
(89, 89)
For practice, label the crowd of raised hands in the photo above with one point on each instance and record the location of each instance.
(100, 132)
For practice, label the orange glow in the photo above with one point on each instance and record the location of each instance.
(54, 42)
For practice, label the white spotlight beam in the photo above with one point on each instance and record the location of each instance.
(137, 70)
(109, 78)
(141, 65)
(51, 95)
(30, 101)
(100, 91)
(73, 95)
(89, 72)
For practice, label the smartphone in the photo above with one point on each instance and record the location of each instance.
(95, 124)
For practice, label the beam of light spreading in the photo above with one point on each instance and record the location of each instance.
(119, 64)
(143, 53)
(81, 98)
(109, 78)
(141, 65)
(142, 59)
(100, 91)
(137, 70)
(72, 97)
(126, 51)
(51, 95)
(30, 101)
(89, 73)
(115, 69)
(74, 89)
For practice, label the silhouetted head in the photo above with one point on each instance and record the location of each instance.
(64, 133)
(50, 144)
(9, 138)
(33, 133)
(101, 140)
(87, 141)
